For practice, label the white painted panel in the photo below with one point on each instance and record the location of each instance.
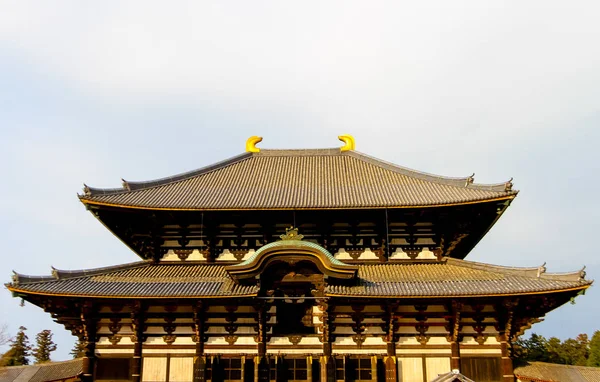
(154, 369)
(411, 369)
(181, 369)
(436, 366)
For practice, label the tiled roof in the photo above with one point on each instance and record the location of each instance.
(310, 179)
(454, 277)
(141, 279)
(550, 372)
(450, 277)
(45, 372)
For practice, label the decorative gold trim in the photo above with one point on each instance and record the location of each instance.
(349, 143)
(105, 204)
(251, 144)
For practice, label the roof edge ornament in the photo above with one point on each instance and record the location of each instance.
(55, 273)
(470, 180)
(251, 144)
(349, 143)
(541, 270)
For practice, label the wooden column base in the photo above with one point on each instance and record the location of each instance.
(261, 369)
(391, 369)
(136, 368)
(199, 369)
(327, 368)
(508, 374)
(455, 355)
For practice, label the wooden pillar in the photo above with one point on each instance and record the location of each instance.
(327, 360)
(261, 362)
(455, 355)
(505, 329)
(390, 360)
(89, 323)
(198, 337)
(454, 335)
(137, 324)
(508, 374)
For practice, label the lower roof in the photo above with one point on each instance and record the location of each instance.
(447, 278)
(44, 372)
(551, 372)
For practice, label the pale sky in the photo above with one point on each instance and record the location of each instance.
(96, 92)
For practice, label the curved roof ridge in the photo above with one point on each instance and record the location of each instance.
(299, 152)
(58, 274)
(133, 186)
(532, 272)
(463, 182)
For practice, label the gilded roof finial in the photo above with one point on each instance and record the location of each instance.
(291, 234)
(251, 144)
(349, 143)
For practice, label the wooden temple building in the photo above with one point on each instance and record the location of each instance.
(299, 265)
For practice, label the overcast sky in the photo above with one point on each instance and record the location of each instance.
(96, 92)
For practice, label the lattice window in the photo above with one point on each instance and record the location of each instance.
(296, 369)
(358, 369)
(232, 369)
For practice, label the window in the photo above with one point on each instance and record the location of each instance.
(296, 369)
(289, 369)
(224, 369)
(232, 369)
(358, 369)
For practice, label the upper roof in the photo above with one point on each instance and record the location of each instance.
(298, 179)
(551, 372)
(44, 372)
(449, 278)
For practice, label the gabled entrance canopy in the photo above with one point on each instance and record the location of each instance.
(292, 250)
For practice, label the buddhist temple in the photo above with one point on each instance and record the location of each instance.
(299, 265)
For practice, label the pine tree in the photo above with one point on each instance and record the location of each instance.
(44, 346)
(555, 350)
(19, 350)
(594, 358)
(78, 350)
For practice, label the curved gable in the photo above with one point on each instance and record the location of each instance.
(291, 250)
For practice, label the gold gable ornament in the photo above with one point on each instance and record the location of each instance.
(349, 143)
(251, 144)
(291, 234)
